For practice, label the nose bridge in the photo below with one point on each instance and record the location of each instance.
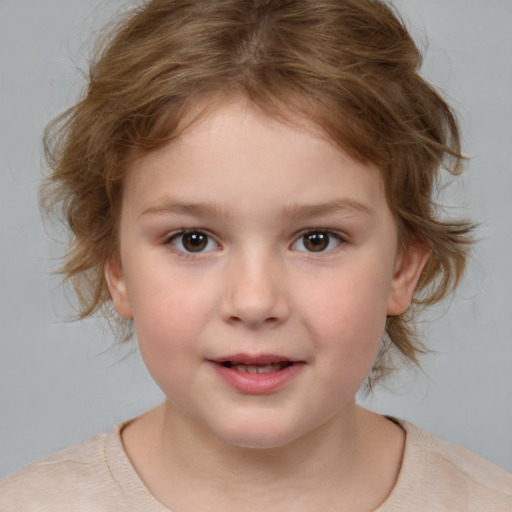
(254, 292)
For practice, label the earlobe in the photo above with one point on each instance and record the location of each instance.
(117, 287)
(407, 274)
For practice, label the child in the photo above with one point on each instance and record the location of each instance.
(248, 184)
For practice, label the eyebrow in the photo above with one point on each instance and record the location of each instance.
(207, 209)
(346, 206)
(186, 208)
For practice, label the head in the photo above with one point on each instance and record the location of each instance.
(347, 67)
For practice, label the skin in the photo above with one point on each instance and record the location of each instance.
(255, 189)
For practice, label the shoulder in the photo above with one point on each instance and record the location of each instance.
(465, 463)
(451, 478)
(72, 476)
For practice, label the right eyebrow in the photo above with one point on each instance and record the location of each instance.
(196, 209)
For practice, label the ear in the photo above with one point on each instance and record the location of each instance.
(408, 270)
(117, 287)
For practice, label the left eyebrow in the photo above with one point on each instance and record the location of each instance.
(345, 206)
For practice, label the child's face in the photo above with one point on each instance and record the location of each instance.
(259, 264)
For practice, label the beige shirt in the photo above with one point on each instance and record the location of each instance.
(96, 475)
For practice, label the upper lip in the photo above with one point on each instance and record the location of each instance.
(256, 359)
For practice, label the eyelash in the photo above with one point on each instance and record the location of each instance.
(328, 234)
(177, 236)
(329, 237)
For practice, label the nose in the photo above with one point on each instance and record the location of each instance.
(254, 292)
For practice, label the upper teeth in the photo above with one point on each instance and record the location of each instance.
(254, 368)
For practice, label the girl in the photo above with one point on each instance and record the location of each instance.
(249, 185)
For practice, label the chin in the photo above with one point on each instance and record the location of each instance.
(260, 435)
(262, 442)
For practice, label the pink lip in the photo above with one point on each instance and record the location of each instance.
(252, 359)
(256, 383)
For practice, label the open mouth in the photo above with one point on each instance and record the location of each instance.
(257, 374)
(257, 368)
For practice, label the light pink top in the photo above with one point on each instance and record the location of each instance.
(97, 475)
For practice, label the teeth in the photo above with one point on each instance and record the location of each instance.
(263, 368)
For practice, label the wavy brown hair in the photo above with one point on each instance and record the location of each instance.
(350, 66)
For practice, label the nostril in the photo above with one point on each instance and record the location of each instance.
(254, 320)
(253, 299)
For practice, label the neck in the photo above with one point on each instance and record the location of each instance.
(200, 450)
(339, 461)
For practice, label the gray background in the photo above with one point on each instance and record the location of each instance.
(60, 382)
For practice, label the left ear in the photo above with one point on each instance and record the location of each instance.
(408, 270)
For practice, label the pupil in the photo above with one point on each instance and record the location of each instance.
(194, 242)
(316, 241)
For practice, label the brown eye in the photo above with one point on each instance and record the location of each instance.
(317, 241)
(193, 241)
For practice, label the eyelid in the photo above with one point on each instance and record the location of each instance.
(339, 236)
(171, 237)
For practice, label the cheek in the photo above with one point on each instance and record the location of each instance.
(347, 316)
(165, 331)
(349, 305)
(168, 303)
(168, 320)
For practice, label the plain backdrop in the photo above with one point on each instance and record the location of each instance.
(61, 382)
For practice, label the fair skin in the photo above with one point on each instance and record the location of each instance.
(259, 263)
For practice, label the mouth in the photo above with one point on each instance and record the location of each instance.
(257, 375)
(257, 368)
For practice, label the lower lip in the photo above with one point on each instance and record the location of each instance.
(258, 383)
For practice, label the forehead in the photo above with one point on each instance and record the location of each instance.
(237, 150)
